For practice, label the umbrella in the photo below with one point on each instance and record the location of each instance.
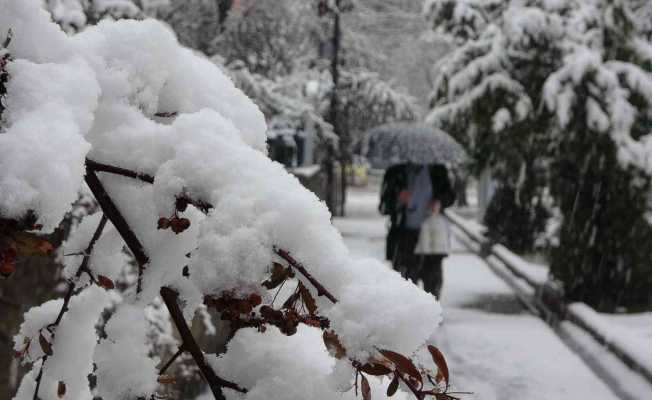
(400, 143)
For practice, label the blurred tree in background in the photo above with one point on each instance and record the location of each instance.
(555, 98)
(487, 94)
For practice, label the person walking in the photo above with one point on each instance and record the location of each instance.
(409, 195)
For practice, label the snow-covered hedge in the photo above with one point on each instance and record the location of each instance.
(175, 156)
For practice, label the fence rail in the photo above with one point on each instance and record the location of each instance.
(543, 298)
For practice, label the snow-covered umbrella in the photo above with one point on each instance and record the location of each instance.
(399, 143)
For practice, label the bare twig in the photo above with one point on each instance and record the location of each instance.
(7, 41)
(321, 290)
(83, 267)
(99, 167)
(171, 360)
(170, 297)
(111, 169)
(111, 211)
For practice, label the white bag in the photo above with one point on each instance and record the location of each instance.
(434, 237)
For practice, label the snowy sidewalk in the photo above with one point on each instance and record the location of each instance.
(494, 347)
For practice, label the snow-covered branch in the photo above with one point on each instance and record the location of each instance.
(175, 156)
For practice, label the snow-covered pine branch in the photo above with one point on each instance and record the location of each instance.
(488, 91)
(175, 156)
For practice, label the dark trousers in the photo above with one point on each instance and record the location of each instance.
(412, 266)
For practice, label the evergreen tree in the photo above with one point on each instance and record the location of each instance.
(556, 96)
(600, 176)
(486, 95)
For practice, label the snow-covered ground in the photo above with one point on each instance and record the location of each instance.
(495, 349)
(628, 334)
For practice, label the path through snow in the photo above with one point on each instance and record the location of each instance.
(494, 347)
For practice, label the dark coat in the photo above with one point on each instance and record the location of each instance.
(395, 181)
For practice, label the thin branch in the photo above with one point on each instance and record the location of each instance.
(99, 167)
(321, 290)
(111, 169)
(171, 360)
(39, 378)
(7, 41)
(111, 211)
(170, 297)
(71, 290)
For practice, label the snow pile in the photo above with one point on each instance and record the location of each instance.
(108, 93)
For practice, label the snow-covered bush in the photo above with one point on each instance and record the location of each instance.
(175, 156)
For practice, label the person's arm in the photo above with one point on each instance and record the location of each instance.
(442, 189)
(387, 204)
(383, 206)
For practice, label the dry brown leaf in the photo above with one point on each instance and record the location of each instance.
(45, 345)
(308, 300)
(334, 345)
(441, 364)
(403, 365)
(393, 386)
(279, 274)
(61, 389)
(366, 389)
(167, 380)
(29, 244)
(375, 369)
(105, 282)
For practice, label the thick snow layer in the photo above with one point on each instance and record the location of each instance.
(68, 95)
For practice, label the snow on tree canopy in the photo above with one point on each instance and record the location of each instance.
(123, 95)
